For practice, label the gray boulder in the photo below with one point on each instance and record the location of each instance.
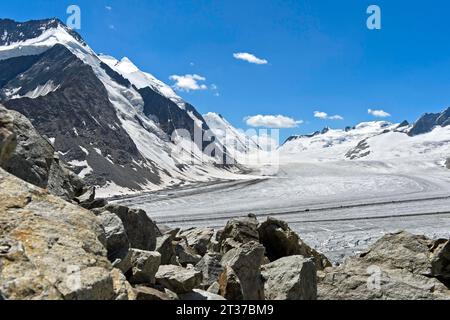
(185, 254)
(141, 230)
(50, 249)
(34, 159)
(398, 266)
(447, 163)
(290, 278)
(242, 268)
(199, 239)
(117, 242)
(237, 232)
(144, 264)
(8, 139)
(178, 279)
(280, 241)
(211, 268)
(166, 247)
(440, 261)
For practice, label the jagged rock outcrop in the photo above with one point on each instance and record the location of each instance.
(51, 249)
(34, 158)
(178, 279)
(280, 241)
(290, 278)
(242, 276)
(398, 266)
(140, 229)
(429, 121)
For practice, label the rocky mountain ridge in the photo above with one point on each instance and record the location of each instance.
(117, 128)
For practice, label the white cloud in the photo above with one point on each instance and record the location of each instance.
(325, 116)
(249, 58)
(188, 82)
(109, 8)
(272, 121)
(379, 113)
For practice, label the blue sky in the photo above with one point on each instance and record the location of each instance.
(320, 54)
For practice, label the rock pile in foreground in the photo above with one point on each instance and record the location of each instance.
(77, 247)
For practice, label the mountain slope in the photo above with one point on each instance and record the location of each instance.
(371, 141)
(118, 133)
(236, 141)
(429, 121)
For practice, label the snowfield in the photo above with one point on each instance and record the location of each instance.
(337, 205)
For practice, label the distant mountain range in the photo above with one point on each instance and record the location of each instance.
(114, 124)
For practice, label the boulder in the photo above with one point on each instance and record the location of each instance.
(117, 242)
(290, 278)
(398, 266)
(165, 246)
(141, 230)
(86, 198)
(447, 163)
(122, 288)
(280, 241)
(150, 294)
(198, 239)
(243, 263)
(238, 231)
(230, 286)
(49, 248)
(34, 159)
(200, 295)
(185, 254)
(178, 279)
(145, 264)
(210, 267)
(440, 262)
(8, 139)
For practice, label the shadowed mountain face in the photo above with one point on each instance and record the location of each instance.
(429, 121)
(76, 115)
(107, 129)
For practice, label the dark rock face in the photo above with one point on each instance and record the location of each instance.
(280, 241)
(35, 161)
(430, 120)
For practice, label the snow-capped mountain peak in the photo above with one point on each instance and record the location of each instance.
(111, 121)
